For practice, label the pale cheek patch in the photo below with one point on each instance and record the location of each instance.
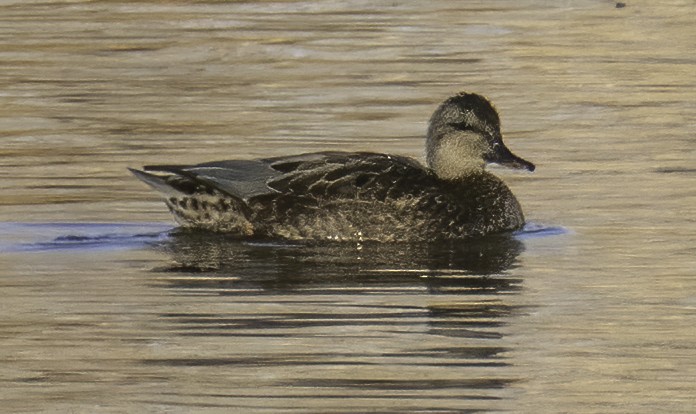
(459, 156)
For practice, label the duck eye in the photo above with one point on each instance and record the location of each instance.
(462, 126)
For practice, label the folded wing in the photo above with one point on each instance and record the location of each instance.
(323, 175)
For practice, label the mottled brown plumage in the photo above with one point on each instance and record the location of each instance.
(358, 195)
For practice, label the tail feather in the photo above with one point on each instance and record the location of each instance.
(198, 205)
(169, 185)
(176, 184)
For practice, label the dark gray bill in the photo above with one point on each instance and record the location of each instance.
(506, 158)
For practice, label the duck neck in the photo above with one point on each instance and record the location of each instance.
(453, 158)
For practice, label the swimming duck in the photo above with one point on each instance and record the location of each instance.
(358, 195)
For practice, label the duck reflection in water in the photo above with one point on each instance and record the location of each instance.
(443, 290)
(476, 266)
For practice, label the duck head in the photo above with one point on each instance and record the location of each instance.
(464, 135)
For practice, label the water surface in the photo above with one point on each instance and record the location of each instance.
(106, 309)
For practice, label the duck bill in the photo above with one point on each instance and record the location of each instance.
(506, 158)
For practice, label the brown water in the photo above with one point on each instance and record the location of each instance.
(594, 313)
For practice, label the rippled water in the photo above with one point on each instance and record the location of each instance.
(106, 308)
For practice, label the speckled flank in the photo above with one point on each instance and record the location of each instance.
(210, 212)
(363, 220)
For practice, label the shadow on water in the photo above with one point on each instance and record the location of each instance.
(44, 237)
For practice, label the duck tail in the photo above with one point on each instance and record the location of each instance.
(174, 182)
(162, 183)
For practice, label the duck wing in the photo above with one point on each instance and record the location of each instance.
(240, 179)
(346, 175)
(322, 175)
